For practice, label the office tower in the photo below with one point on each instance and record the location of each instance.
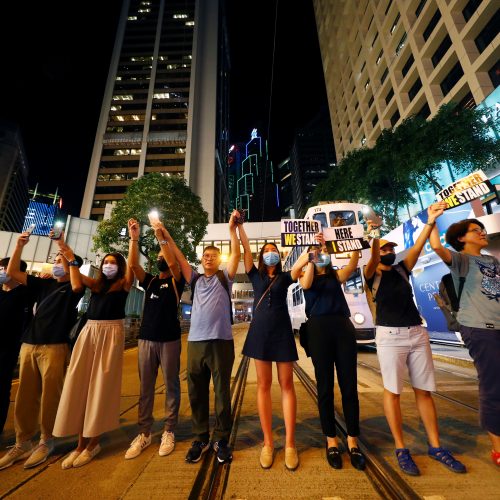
(385, 60)
(256, 187)
(165, 105)
(287, 207)
(311, 159)
(13, 178)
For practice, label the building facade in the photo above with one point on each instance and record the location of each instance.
(165, 105)
(385, 60)
(13, 178)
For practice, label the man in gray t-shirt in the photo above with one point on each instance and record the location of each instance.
(479, 313)
(210, 345)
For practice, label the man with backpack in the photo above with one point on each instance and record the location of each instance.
(478, 294)
(210, 345)
(402, 342)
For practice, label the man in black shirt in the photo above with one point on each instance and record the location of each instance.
(159, 341)
(44, 357)
(15, 313)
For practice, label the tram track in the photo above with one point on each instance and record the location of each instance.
(388, 484)
(436, 393)
(212, 477)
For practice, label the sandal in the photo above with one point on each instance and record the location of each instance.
(447, 459)
(406, 463)
(495, 456)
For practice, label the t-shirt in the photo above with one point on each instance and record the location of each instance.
(160, 321)
(479, 303)
(325, 297)
(55, 316)
(16, 308)
(394, 299)
(210, 319)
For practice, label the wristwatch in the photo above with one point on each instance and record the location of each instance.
(163, 242)
(73, 263)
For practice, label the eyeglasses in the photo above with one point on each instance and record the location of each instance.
(477, 230)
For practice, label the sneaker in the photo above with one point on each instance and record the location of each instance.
(223, 451)
(196, 451)
(86, 456)
(406, 463)
(140, 443)
(447, 459)
(17, 452)
(40, 453)
(167, 444)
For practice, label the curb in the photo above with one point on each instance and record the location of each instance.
(454, 361)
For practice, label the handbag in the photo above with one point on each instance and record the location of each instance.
(76, 329)
(303, 337)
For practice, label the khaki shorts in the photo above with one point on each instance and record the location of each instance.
(401, 347)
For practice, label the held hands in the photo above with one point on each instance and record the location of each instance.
(161, 231)
(373, 229)
(134, 229)
(435, 210)
(232, 220)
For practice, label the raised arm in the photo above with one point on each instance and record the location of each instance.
(186, 269)
(433, 212)
(247, 252)
(307, 278)
(234, 258)
(78, 280)
(134, 232)
(438, 247)
(374, 261)
(344, 273)
(13, 268)
(163, 237)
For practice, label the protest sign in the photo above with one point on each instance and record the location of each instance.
(345, 238)
(466, 189)
(298, 232)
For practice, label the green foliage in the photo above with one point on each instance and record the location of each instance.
(410, 157)
(180, 210)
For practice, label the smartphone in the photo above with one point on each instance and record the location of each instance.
(371, 215)
(31, 228)
(154, 217)
(57, 231)
(241, 218)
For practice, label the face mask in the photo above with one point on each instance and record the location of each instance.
(110, 270)
(271, 258)
(58, 271)
(324, 260)
(4, 277)
(162, 265)
(388, 259)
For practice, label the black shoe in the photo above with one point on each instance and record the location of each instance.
(358, 460)
(334, 457)
(196, 451)
(224, 453)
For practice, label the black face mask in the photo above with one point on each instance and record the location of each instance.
(162, 265)
(388, 259)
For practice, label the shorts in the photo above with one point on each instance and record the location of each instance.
(402, 346)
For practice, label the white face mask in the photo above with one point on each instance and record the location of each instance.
(4, 277)
(58, 271)
(110, 270)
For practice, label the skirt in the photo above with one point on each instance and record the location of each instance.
(90, 400)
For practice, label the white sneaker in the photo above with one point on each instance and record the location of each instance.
(167, 444)
(140, 443)
(17, 452)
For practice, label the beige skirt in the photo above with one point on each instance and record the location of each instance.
(90, 400)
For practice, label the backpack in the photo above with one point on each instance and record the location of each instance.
(223, 281)
(371, 294)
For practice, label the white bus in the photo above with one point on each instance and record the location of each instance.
(347, 214)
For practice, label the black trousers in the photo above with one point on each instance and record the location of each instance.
(8, 359)
(332, 343)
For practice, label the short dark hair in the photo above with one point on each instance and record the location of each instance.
(212, 247)
(262, 266)
(22, 266)
(458, 230)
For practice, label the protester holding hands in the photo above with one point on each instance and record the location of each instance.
(476, 277)
(90, 401)
(270, 339)
(332, 344)
(402, 342)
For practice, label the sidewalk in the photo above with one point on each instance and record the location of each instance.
(456, 355)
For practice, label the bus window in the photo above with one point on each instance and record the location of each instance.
(354, 283)
(321, 217)
(361, 219)
(342, 218)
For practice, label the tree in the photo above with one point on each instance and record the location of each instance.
(180, 210)
(410, 157)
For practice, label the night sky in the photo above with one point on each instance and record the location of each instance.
(54, 73)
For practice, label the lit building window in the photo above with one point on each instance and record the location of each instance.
(135, 117)
(132, 18)
(124, 97)
(189, 23)
(118, 77)
(180, 16)
(119, 118)
(164, 95)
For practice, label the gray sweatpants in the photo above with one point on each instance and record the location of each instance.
(151, 355)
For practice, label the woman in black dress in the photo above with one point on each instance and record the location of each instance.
(270, 338)
(332, 344)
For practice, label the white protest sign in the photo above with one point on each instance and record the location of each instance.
(345, 238)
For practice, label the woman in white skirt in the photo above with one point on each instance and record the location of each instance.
(90, 400)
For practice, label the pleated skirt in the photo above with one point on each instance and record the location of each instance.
(90, 400)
